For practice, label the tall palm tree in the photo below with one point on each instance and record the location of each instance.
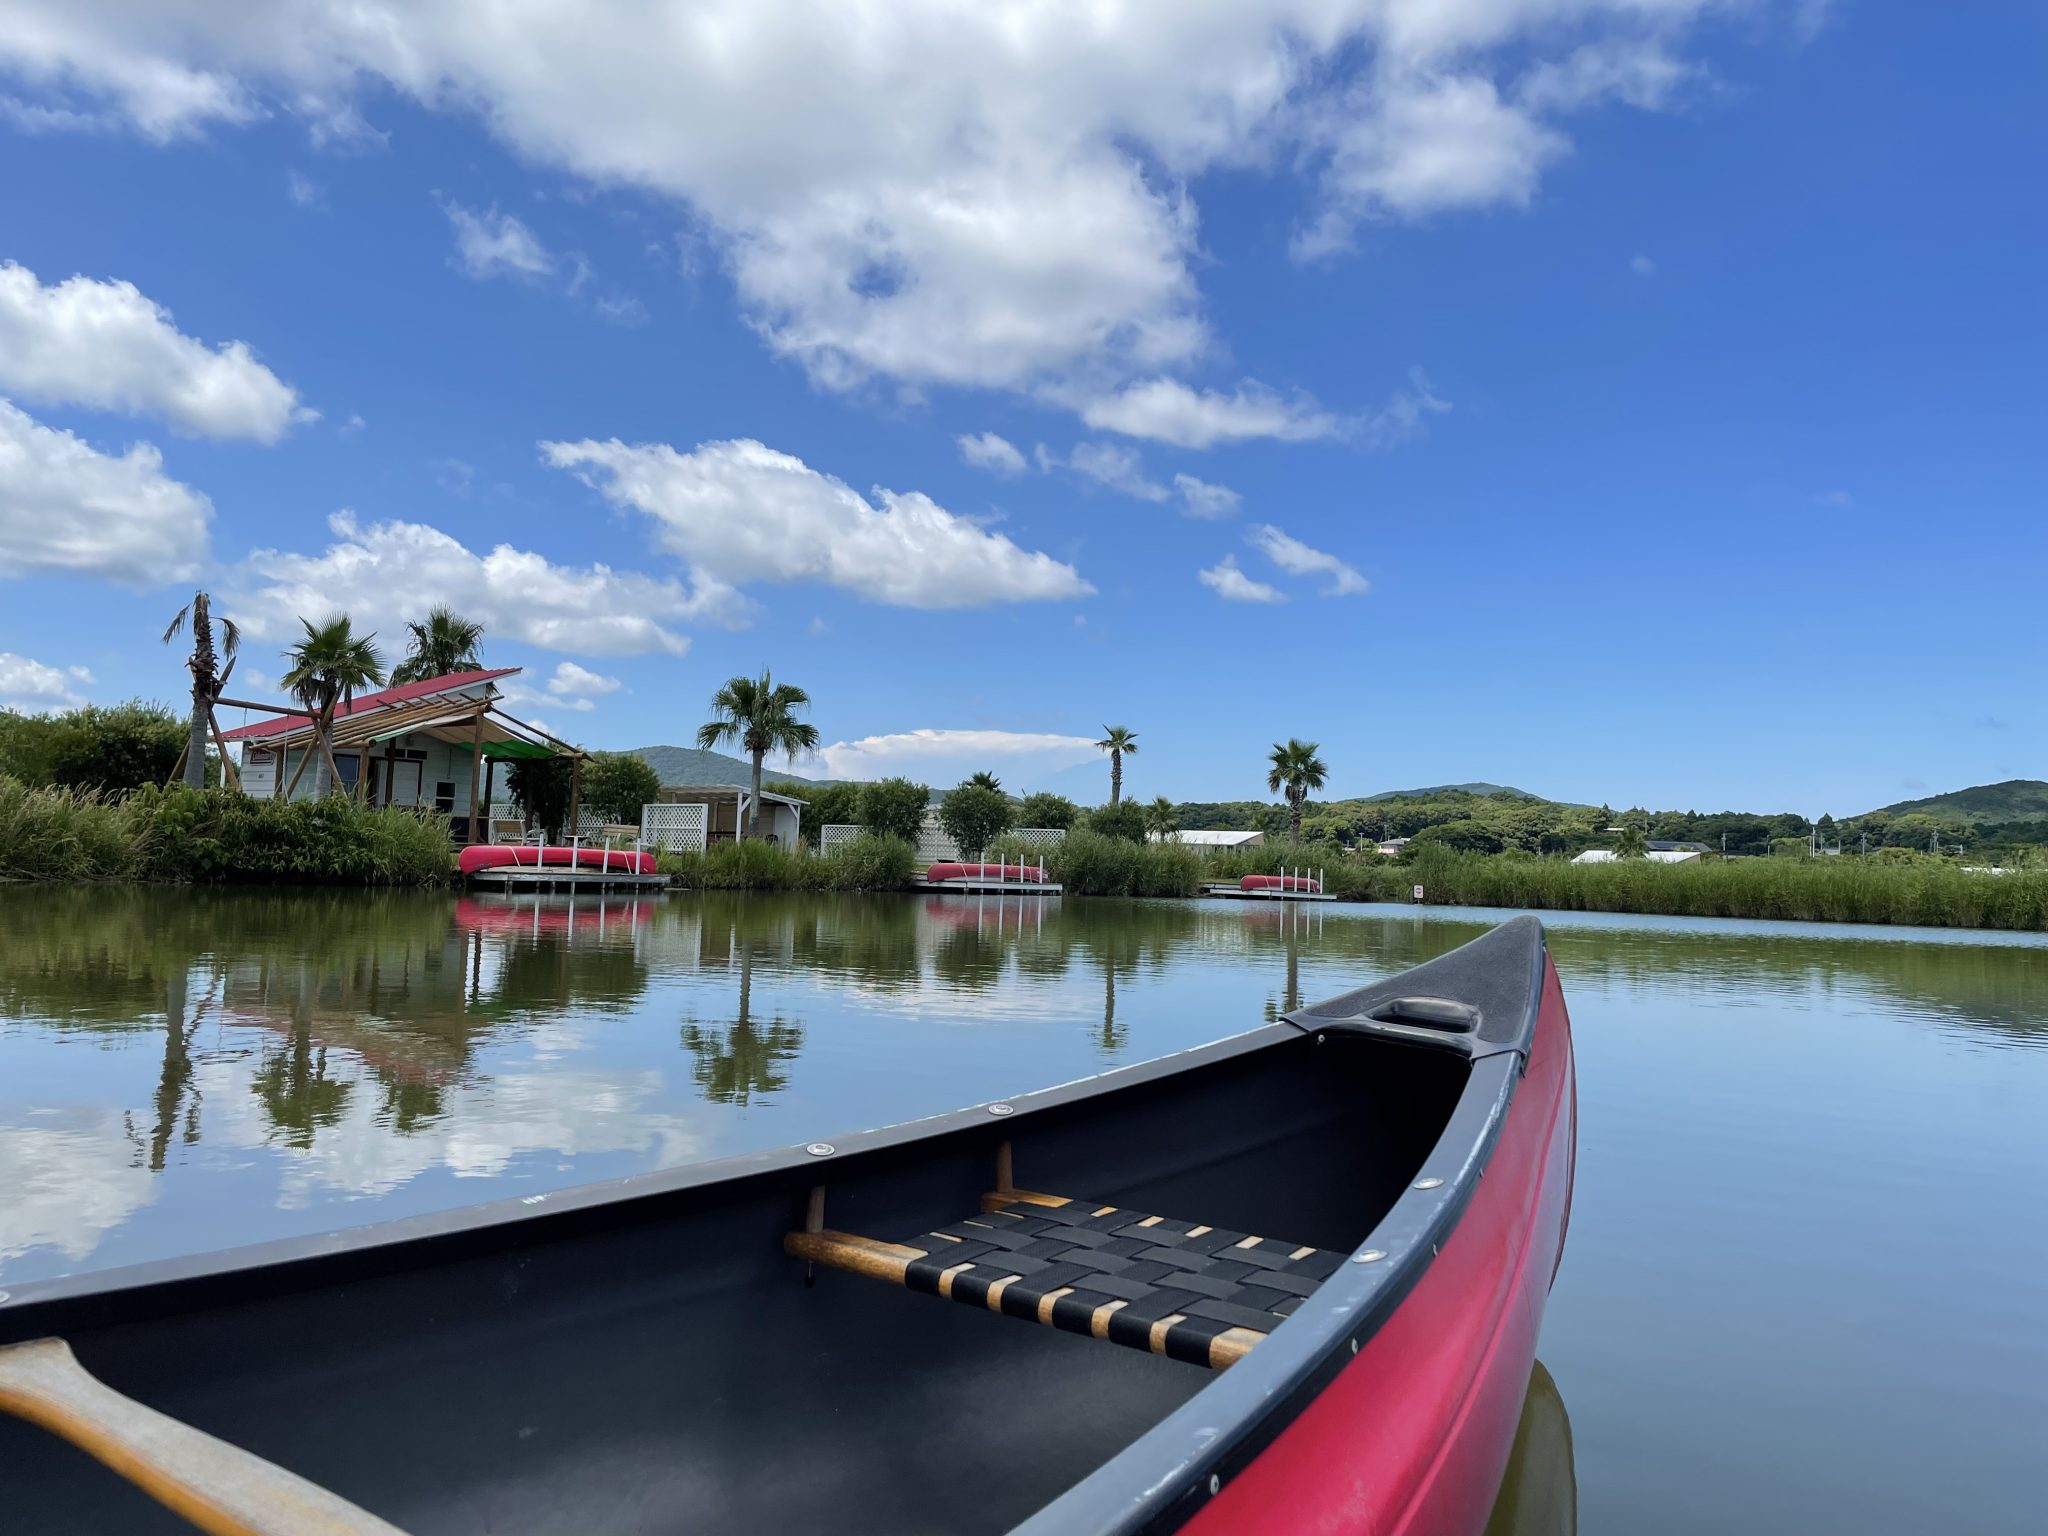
(1119, 741)
(759, 714)
(1162, 818)
(984, 780)
(1296, 770)
(207, 678)
(446, 643)
(327, 667)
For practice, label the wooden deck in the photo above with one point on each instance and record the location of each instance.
(1234, 893)
(562, 878)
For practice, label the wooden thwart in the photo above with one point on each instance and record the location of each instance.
(218, 1487)
(891, 1261)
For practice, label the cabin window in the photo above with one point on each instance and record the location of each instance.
(444, 796)
(350, 766)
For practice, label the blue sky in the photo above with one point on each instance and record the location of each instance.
(1630, 400)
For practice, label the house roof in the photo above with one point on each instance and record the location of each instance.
(1213, 837)
(370, 703)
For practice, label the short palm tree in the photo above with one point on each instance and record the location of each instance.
(207, 677)
(1119, 741)
(1162, 818)
(759, 714)
(327, 667)
(1295, 770)
(446, 643)
(1632, 842)
(985, 780)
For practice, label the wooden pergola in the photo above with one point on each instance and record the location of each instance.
(489, 734)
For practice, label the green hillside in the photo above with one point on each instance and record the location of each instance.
(692, 765)
(2014, 800)
(1435, 790)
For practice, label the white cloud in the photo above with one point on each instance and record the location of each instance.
(1118, 468)
(1168, 411)
(387, 573)
(106, 346)
(740, 512)
(987, 450)
(353, 425)
(65, 506)
(1402, 418)
(1002, 195)
(1227, 581)
(621, 309)
(1298, 559)
(31, 687)
(1201, 499)
(304, 191)
(568, 687)
(494, 244)
(943, 757)
(1642, 266)
(1834, 499)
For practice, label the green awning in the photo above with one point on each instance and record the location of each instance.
(500, 750)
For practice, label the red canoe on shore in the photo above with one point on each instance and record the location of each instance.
(1301, 883)
(939, 873)
(1286, 1282)
(497, 856)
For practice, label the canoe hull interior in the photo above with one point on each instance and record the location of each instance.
(645, 1358)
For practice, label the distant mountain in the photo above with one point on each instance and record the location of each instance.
(693, 765)
(2014, 800)
(1451, 789)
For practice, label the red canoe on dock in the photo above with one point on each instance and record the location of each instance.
(620, 861)
(938, 874)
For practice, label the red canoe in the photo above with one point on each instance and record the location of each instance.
(1280, 883)
(494, 856)
(1287, 1282)
(950, 871)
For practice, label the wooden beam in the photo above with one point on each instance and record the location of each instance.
(305, 757)
(228, 775)
(476, 767)
(575, 790)
(268, 709)
(220, 1488)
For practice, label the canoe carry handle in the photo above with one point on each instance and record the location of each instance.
(218, 1487)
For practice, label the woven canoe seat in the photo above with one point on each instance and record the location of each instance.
(1196, 1293)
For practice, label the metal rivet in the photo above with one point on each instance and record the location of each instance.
(1354, 1346)
(821, 1149)
(1319, 1039)
(1369, 1256)
(1215, 1483)
(1002, 1109)
(1429, 1183)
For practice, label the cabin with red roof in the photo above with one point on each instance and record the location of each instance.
(437, 743)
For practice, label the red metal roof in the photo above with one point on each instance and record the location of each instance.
(383, 698)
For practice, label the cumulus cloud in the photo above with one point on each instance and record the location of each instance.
(1298, 559)
(304, 191)
(67, 507)
(944, 757)
(494, 244)
(987, 450)
(1642, 266)
(741, 512)
(1199, 498)
(568, 687)
(1017, 210)
(1168, 411)
(107, 346)
(387, 573)
(1227, 581)
(29, 686)
(1118, 468)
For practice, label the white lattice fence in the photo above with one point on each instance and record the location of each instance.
(677, 828)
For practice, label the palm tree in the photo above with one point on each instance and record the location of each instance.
(1162, 818)
(207, 678)
(445, 643)
(327, 667)
(1296, 770)
(984, 780)
(759, 714)
(1119, 741)
(1632, 842)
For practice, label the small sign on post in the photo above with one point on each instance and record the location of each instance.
(1418, 893)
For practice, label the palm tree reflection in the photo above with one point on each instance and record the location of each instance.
(734, 1064)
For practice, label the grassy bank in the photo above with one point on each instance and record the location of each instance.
(864, 864)
(215, 837)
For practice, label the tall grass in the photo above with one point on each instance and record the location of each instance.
(69, 834)
(1090, 864)
(866, 863)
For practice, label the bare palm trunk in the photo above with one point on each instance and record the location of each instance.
(1116, 778)
(195, 739)
(754, 808)
(1294, 799)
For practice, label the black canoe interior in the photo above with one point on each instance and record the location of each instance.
(662, 1366)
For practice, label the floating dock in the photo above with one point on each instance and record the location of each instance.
(561, 877)
(1238, 893)
(969, 887)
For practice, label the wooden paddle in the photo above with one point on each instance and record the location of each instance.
(218, 1487)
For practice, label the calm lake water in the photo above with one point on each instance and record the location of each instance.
(1804, 1288)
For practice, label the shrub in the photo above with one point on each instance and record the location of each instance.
(1123, 820)
(216, 835)
(974, 816)
(1091, 863)
(869, 863)
(894, 808)
(1465, 836)
(1045, 809)
(105, 747)
(616, 785)
(866, 863)
(541, 786)
(825, 805)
